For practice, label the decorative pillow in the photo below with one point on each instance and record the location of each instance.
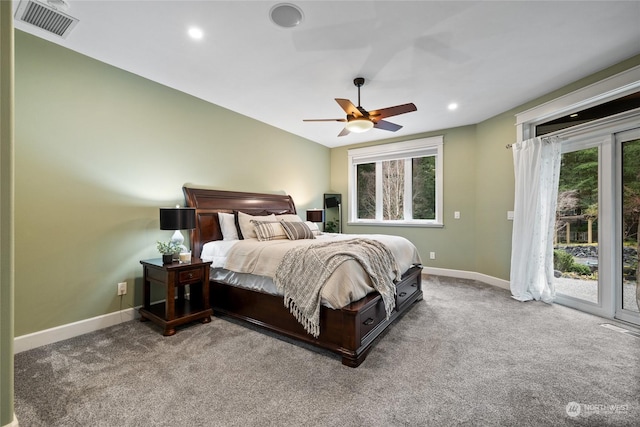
(297, 230)
(228, 226)
(247, 229)
(289, 217)
(268, 230)
(313, 227)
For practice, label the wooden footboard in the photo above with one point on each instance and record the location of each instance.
(349, 332)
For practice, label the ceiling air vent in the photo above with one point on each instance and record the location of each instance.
(46, 17)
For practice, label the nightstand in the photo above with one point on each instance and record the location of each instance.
(175, 277)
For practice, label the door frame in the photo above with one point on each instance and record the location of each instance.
(621, 313)
(603, 132)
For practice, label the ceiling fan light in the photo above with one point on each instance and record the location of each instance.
(359, 125)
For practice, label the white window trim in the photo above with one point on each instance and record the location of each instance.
(616, 86)
(396, 151)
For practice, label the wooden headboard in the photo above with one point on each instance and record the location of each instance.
(209, 202)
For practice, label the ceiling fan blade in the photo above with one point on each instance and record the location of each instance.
(324, 120)
(381, 124)
(344, 132)
(392, 111)
(348, 107)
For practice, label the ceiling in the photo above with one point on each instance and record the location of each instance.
(486, 56)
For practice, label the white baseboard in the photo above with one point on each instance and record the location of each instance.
(63, 332)
(471, 275)
(13, 423)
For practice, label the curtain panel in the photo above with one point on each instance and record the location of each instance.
(537, 174)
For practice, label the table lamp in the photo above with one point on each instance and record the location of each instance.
(178, 219)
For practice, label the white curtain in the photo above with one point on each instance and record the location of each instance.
(537, 172)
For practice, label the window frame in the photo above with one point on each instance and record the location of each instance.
(422, 147)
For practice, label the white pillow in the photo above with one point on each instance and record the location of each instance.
(289, 218)
(313, 227)
(228, 226)
(247, 228)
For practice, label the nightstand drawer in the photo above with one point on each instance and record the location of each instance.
(190, 276)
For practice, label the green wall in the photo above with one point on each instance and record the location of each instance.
(98, 151)
(478, 182)
(6, 212)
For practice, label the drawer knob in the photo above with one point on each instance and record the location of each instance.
(369, 321)
(402, 294)
(190, 275)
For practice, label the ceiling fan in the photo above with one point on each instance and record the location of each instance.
(360, 120)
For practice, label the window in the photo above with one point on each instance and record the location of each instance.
(397, 184)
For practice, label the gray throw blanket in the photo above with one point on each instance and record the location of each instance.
(304, 270)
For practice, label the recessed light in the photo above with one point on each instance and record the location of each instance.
(195, 33)
(286, 15)
(452, 106)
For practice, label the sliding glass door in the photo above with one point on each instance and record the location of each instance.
(597, 238)
(628, 226)
(598, 215)
(576, 251)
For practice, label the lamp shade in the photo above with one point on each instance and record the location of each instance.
(315, 215)
(177, 218)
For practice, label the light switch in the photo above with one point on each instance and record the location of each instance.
(510, 215)
(456, 215)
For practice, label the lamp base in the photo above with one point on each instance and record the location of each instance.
(178, 239)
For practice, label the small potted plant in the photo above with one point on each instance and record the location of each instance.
(331, 226)
(168, 250)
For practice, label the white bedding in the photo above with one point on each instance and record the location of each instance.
(354, 285)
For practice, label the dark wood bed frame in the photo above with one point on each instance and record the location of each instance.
(349, 332)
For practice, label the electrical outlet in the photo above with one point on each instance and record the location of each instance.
(456, 215)
(122, 288)
(432, 255)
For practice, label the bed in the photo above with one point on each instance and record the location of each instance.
(349, 331)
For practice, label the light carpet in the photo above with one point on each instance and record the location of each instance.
(468, 354)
